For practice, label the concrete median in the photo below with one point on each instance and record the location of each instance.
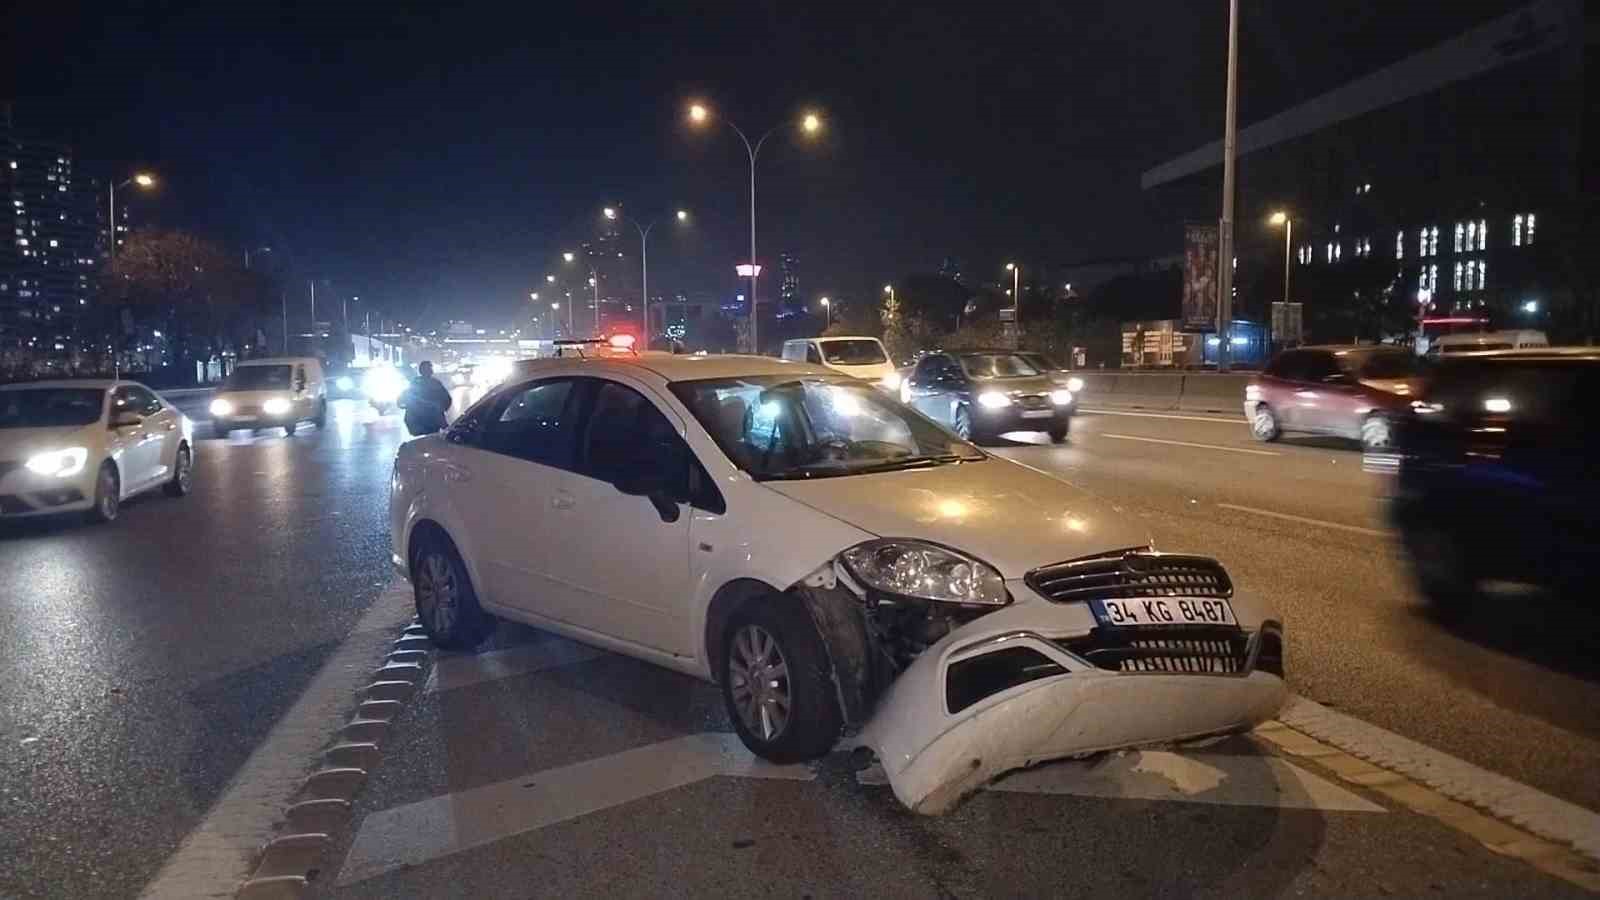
(1165, 391)
(1213, 392)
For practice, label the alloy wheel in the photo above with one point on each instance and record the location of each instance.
(109, 490)
(1264, 424)
(185, 472)
(759, 682)
(1375, 433)
(438, 594)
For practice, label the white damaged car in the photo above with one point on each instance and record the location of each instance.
(844, 568)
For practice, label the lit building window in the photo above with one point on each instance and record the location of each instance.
(1455, 281)
(1338, 251)
(1422, 242)
(1433, 241)
(1516, 231)
(1459, 231)
(1330, 252)
(53, 242)
(1483, 274)
(1399, 245)
(1483, 235)
(1528, 237)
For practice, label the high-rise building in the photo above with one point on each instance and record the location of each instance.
(52, 237)
(789, 283)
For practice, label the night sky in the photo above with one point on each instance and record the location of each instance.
(437, 161)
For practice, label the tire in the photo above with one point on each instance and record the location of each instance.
(1058, 434)
(964, 427)
(446, 603)
(321, 418)
(1264, 424)
(288, 430)
(792, 713)
(1376, 433)
(1443, 573)
(107, 495)
(182, 480)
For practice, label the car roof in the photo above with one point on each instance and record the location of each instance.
(90, 383)
(842, 337)
(672, 367)
(1534, 353)
(278, 361)
(985, 351)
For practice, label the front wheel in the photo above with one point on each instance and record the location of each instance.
(1442, 569)
(777, 683)
(1264, 424)
(182, 481)
(107, 495)
(446, 603)
(1375, 433)
(1058, 434)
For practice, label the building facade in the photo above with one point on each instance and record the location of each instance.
(1448, 184)
(789, 284)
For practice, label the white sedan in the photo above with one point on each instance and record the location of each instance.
(68, 446)
(838, 563)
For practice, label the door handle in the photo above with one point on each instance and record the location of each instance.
(457, 474)
(563, 500)
(172, 426)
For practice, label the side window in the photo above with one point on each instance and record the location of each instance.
(926, 370)
(1290, 366)
(122, 401)
(948, 368)
(532, 422)
(1319, 366)
(812, 356)
(792, 351)
(144, 402)
(626, 436)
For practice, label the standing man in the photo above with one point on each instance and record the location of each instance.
(425, 402)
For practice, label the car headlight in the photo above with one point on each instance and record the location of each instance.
(383, 385)
(275, 406)
(221, 407)
(890, 382)
(62, 463)
(1061, 398)
(345, 383)
(925, 572)
(993, 400)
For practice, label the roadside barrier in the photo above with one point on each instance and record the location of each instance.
(1165, 392)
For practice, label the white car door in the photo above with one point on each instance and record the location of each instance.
(141, 444)
(501, 480)
(163, 426)
(622, 558)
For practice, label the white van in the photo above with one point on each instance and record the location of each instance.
(278, 392)
(858, 357)
(1451, 344)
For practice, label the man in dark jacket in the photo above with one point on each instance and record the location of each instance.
(425, 402)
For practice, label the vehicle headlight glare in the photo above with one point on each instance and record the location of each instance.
(890, 382)
(345, 383)
(383, 384)
(221, 407)
(1075, 384)
(993, 400)
(925, 572)
(1061, 398)
(63, 463)
(275, 406)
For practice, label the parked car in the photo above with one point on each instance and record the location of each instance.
(1344, 391)
(832, 560)
(1495, 475)
(1450, 344)
(982, 393)
(71, 446)
(858, 357)
(278, 392)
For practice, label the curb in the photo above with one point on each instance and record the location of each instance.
(324, 805)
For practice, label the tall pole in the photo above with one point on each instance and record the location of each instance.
(313, 283)
(113, 192)
(1288, 233)
(1016, 306)
(1225, 233)
(644, 279)
(755, 271)
(594, 281)
(283, 298)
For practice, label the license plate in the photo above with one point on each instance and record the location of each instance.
(1037, 413)
(1158, 611)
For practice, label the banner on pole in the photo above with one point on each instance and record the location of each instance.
(1200, 276)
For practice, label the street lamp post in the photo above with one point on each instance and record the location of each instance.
(1283, 218)
(1225, 232)
(827, 314)
(682, 215)
(811, 123)
(143, 180)
(1016, 303)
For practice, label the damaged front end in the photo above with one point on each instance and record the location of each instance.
(951, 695)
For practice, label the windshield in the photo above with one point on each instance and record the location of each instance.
(1393, 365)
(998, 365)
(775, 426)
(860, 352)
(258, 378)
(50, 407)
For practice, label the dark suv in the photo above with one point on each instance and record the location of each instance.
(1495, 474)
(1343, 391)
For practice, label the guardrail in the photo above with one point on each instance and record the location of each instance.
(1166, 391)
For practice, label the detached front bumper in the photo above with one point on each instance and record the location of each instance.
(1009, 691)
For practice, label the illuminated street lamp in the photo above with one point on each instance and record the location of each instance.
(1283, 218)
(810, 123)
(143, 180)
(550, 279)
(612, 213)
(567, 256)
(827, 313)
(1016, 302)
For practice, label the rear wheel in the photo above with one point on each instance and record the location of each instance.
(1442, 569)
(776, 681)
(107, 494)
(1058, 434)
(446, 603)
(182, 480)
(1375, 433)
(1264, 424)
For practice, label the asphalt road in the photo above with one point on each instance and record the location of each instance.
(142, 664)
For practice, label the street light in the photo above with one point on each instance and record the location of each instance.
(810, 123)
(1016, 302)
(567, 256)
(827, 313)
(611, 212)
(1282, 217)
(550, 279)
(144, 180)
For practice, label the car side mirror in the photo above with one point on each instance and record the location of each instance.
(126, 420)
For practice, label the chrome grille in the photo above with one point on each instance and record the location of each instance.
(1033, 401)
(1133, 573)
(1178, 650)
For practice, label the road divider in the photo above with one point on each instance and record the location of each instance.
(1166, 391)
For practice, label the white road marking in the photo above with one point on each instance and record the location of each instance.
(1222, 779)
(419, 832)
(216, 857)
(1151, 440)
(1306, 520)
(451, 671)
(1145, 415)
(1538, 812)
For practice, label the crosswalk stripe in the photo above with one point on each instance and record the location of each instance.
(465, 669)
(418, 832)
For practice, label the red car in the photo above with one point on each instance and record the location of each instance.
(1343, 391)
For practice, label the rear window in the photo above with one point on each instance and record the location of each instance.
(259, 378)
(863, 352)
(1527, 390)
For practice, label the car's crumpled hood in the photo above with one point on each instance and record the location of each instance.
(1008, 515)
(20, 443)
